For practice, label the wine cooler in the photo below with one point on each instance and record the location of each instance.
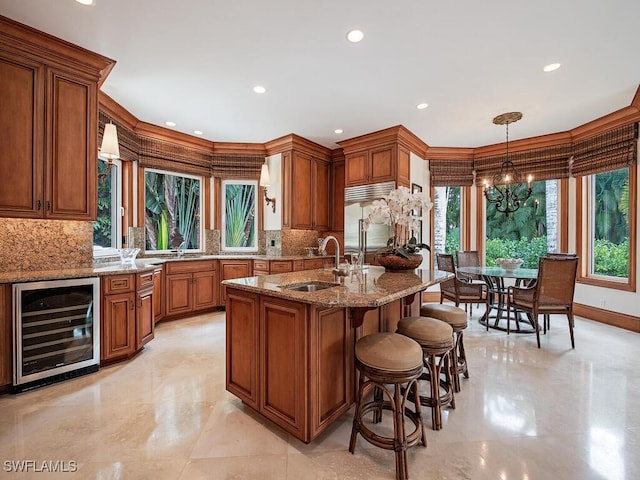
(56, 328)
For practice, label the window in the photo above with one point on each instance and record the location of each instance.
(172, 211)
(609, 224)
(446, 214)
(107, 229)
(529, 232)
(239, 217)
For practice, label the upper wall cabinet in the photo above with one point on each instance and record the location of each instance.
(306, 191)
(378, 164)
(48, 125)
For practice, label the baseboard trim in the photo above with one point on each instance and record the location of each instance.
(622, 320)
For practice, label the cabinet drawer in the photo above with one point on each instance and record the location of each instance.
(260, 272)
(280, 266)
(118, 283)
(190, 267)
(144, 280)
(261, 265)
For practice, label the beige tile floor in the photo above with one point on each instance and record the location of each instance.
(526, 414)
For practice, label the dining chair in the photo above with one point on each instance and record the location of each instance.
(468, 258)
(552, 293)
(458, 290)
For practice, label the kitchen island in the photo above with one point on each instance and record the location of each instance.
(289, 351)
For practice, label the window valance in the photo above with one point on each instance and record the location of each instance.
(236, 166)
(451, 173)
(610, 150)
(176, 158)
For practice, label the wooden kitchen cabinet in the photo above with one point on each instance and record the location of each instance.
(158, 294)
(337, 196)
(6, 353)
(145, 320)
(306, 192)
(261, 267)
(291, 362)
(190, 286)
(118, 318)
(370, 166)
(233, 269)
(48, 125)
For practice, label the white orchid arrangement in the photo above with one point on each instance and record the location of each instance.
(397, 210)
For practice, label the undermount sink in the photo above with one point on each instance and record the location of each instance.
(310, 286)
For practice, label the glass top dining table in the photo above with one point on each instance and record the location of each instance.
(496, 315)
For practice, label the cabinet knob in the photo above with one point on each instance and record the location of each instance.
(38, 205)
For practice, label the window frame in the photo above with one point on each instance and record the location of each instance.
(201, 208)
(583, 235)
(223, 214)
(117, 212)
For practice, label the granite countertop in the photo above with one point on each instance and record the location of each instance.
(143, 264)
(371, 287)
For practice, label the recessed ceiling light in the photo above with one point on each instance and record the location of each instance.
(170, 124)
(198, 132)
(259, 89)
(355, 36)
(85, 2)
(422, 106)
(551, 67)
(338, 130)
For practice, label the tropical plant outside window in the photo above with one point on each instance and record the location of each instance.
(106, 227)
(609, 223)
(446, 214)
(529, 232)
(172, 211)
(239, 218)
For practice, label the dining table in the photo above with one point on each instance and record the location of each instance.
(496, 315)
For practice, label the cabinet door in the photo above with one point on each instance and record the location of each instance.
(321, 200)
(21, 131)
(301, 201)
(332, 379)
(6, 354)
(118, 332)
(232, 269)
(404, 166)
(178, 293)
(71, 147)
(242, 346)
(205, 286)
(144, 317)
(356, 168)
(382, 164)
(282, 365)
(158, 295)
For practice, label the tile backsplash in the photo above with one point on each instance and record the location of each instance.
(29, 245)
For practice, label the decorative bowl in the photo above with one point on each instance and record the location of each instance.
(128, 255)
(509, 264)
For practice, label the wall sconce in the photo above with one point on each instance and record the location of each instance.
(109, 149)
(265, 181)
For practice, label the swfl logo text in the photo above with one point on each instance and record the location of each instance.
(61, 466)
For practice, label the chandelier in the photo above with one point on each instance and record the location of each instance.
(508, 189)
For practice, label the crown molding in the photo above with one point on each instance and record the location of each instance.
(449, 153)
(298, 143)
(232, 148)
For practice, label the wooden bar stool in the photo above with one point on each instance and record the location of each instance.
(457, 318)
(385, 359)
(436, 339)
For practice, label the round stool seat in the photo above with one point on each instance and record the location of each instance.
(389, 351)
(454, 316)
(428, 332)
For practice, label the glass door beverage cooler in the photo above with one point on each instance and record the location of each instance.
(56, 331)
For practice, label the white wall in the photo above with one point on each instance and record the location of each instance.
(273, 221)
(419, 174)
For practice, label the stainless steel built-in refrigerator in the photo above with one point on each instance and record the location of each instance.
(357, 204)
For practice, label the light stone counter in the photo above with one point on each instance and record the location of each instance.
(369, 288)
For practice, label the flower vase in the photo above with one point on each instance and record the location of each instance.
(396, 263)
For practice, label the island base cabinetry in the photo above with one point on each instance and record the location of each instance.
(290, 361)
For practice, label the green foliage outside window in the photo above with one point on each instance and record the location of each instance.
(240, 215)
(102, 228)
(172, 211)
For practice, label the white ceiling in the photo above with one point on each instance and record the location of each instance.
(195, 62)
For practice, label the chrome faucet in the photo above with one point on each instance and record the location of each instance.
(323, 246)
(181, 248)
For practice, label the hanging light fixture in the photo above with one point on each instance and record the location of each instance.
(508, 189)
(265, 181)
